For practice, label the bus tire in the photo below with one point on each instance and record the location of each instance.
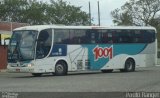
(37, 74)
(129, 66)
(61, 68)
(107, 71)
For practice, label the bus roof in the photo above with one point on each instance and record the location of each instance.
(42, 27)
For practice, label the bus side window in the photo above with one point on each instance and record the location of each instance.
(44, 43)
(137, 36)
(110, 37)
(104, 38)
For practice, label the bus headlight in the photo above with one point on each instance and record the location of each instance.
(30, 65)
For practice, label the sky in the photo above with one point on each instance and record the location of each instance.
(106, 6)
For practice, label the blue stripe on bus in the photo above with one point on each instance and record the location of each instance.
(59, 50)
(130, 49)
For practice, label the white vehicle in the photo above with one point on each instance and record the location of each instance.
(61, 49)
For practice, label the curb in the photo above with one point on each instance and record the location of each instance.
(3, 70)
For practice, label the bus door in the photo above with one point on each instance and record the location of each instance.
(43, 48)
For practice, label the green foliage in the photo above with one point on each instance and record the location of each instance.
(35, 12)
(122, 18)
(63, 13)
(12, 10)
(140, 12)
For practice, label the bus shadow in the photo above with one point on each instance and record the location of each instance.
(81, 74)
(52, 75)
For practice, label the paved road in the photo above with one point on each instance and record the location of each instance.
(146, 79)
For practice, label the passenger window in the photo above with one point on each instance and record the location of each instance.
(61, 36)
(79, 36)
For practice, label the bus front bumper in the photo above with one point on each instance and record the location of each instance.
(20, 69)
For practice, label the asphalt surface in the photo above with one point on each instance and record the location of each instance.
(144, 79)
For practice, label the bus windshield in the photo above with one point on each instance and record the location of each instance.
(22, 45)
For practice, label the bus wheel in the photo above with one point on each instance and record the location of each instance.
(37, 74)
(129, 66)
(107, 71)
(61, 68)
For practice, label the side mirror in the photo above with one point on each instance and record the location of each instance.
(6, 40)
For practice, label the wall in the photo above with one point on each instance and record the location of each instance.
(3, 57)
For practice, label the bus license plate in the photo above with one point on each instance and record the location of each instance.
(17, 70)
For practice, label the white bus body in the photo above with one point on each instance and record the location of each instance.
(60, 49)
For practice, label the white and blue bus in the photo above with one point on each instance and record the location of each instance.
(62, 49)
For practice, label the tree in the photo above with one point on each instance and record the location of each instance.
(140, 12)
(25, 11)
(36, 12)
(12, 10)
(122, 18)
(61, 12)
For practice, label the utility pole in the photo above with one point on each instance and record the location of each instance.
(90, 14)
(99, 21)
